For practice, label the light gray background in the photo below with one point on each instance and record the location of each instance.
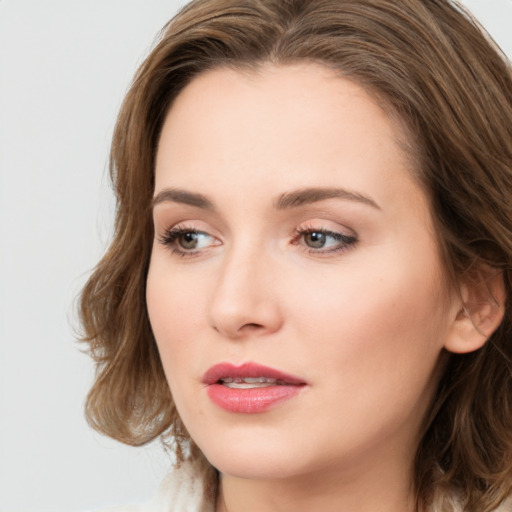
(64, 67)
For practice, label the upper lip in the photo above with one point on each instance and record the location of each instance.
(227, 370)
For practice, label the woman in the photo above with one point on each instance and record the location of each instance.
(306, 290)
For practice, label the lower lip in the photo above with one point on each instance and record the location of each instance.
(250, 401)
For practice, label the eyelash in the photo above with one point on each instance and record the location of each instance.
(346, 242)
(171, 236)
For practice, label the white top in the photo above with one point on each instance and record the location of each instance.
(182, 491)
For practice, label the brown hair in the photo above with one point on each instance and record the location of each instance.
(432, 65)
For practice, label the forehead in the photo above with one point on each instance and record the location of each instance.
(279, 127)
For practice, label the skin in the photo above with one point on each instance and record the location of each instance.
(364, 323)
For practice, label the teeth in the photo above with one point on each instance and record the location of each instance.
(248, 382)
(246, 385)
(259, 380)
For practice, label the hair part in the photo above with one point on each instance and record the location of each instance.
(432, 67)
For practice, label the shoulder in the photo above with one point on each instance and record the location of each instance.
(182, 490)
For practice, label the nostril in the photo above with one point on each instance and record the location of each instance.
(252, 326)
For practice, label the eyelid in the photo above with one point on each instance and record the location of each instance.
(325, 226)
(344, 238)
(166, 224)
(346, 241)
(169, 238)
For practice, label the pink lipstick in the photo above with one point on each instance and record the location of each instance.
(249, 388)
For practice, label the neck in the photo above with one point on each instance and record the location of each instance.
(384, 488)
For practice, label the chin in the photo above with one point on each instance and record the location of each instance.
(255, 456)
(253, 466)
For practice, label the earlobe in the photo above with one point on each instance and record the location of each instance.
(480, 310)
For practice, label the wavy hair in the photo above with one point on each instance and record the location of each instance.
(431, 65)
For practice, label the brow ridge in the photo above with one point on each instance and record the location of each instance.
(305, 196)
(176, 195)
(288, 200)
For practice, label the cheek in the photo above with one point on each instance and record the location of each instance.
(365, 333)
(176, 315)
(375, 327)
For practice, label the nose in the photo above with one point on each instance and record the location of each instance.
(245, 300)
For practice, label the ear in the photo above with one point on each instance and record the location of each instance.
(479, 310)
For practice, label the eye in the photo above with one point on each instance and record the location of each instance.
(320, 240)
(187, 241)
(192, 240)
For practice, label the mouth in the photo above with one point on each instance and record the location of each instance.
(251, 382)
(249, 388)
(249, 375)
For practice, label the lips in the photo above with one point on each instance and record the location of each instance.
(250, 370)
(249, 388)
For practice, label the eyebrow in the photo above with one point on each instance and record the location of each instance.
(285, 201)
(184, 197)
(312, 195)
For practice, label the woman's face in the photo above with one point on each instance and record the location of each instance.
(295, 288)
